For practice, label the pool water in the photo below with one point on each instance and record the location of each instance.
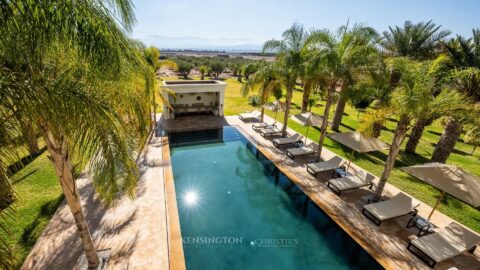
(237, 211)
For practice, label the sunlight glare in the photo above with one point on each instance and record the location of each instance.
(191, 198)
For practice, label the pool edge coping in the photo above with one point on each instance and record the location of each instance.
(176, 257)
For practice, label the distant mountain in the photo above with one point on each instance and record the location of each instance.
(198, 43)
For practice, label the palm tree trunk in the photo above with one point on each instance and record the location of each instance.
(339, 110)
(6, 192)
(306, 95)
(400, 133)
(154, 110)
(30, 138)
(446, 144)
(203, 77)
(287, 111)
(60, 156)
(326, 113)
(416, 133)
(377, 128)
(262, 114)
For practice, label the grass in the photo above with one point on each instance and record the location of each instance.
(38, 196)
(235, 103)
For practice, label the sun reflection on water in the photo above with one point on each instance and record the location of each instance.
(191, 198)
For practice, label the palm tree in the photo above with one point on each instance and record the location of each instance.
(265, 82)
(375, 86)
(289, 62)
(467, 82)
(472, 136)
(83, 95)
(333, 58)
(417, 131)
(202, 69)
(465, 54)
(249, 69)
(356, 51)
(414, 96)
(420, 41)
(8, 152)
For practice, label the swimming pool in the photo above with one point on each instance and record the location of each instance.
(238, 211)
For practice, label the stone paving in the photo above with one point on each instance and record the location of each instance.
(136, 230)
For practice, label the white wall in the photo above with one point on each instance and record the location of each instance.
(208, 98)
(209, 93)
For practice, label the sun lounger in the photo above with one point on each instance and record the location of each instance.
(198, 107)
(177, 108)
(361, 179)
(296, 138)
(398, 206)
(270, 131)
(324, 166)
(258, 126)
(444, 244)
(301, 151)
(249, 116)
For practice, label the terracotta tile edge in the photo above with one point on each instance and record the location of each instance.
(176, 257)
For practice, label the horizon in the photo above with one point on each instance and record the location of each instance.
(226, 25)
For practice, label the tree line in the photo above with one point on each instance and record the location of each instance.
(411, 73)
(239, 67)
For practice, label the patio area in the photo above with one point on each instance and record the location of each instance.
(137, 230)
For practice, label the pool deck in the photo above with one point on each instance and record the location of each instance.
(144, 233)
(135, 230)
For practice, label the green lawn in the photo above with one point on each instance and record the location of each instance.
(38, 196)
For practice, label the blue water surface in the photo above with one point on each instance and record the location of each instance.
(237, 211)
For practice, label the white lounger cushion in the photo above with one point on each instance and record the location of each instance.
(397, 206)
(270, 130)
(250, 115)
(447, 242)
(292, 139)
(350, 182)
(259, 126)
(328, 165)
(304, 150)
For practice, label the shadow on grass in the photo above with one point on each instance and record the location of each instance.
(455, 150)
(20, 164)
(34, 229)
(347, 126)
(388, 129)
(407, 159)
(25, 176)
(372, 157)
(295, 106)
(435, 132)
(392, 120)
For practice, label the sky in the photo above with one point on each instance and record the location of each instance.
(246, 24)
